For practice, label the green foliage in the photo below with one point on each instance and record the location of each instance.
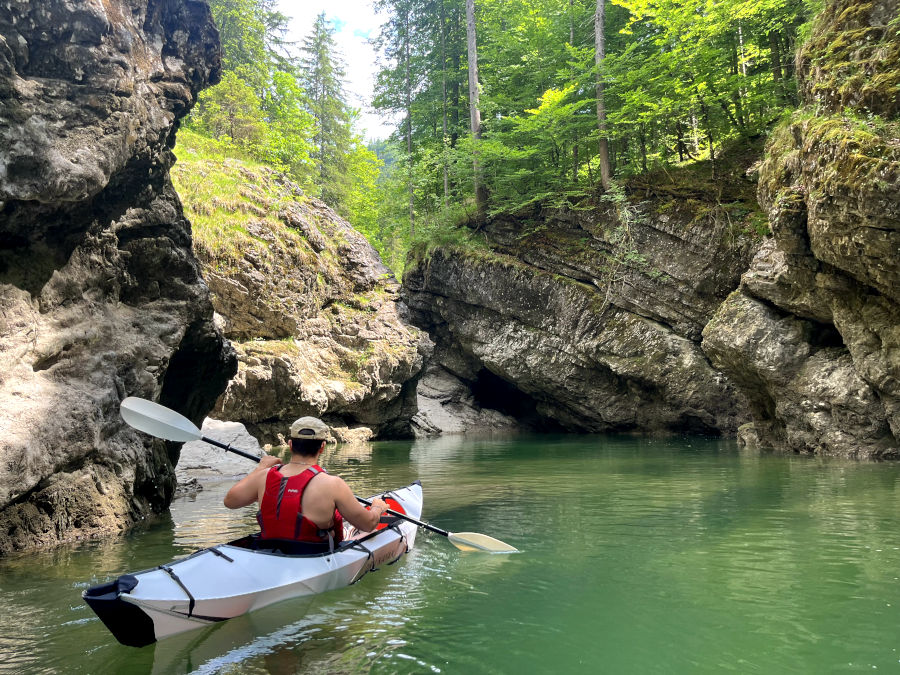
(232, 110)
(286, 111)
(681, 80)
(321, 74)
(218, 200)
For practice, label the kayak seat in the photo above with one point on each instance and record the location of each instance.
(289, 546)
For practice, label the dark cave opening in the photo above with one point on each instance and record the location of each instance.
(491, 391)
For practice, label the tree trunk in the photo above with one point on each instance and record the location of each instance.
(454, 112)
(408, 92)
(775, 51)
(737, 96)
(575, 159)
(643, 149)
(680, 142)
(599, 55)
(444, 105)
(475, 111)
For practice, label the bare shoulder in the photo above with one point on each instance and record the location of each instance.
(329, 482)
(336, 482)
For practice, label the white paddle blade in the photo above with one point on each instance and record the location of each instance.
(157, 420)
(473, 541)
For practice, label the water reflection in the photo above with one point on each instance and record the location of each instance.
(639, 555)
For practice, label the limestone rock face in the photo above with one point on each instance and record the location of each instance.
(314, 314)
(572, 330)
(100, 294)
(812, 339)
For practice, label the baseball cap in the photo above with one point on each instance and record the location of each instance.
(310, 429)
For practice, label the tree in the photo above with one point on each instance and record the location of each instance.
(251, 32)
(292, 128)
(475, 110)
(599, 56)
(322, 75)
(232, 109)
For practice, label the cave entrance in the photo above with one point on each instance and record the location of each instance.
(491, 391)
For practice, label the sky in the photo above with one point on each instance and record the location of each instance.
(354, 23)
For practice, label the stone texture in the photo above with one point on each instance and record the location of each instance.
(803, 389)
(446, 405)
(578, 349)
(812, 338)
(202, 461)
(100, 295)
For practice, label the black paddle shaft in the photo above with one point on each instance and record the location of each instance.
(406, 517)
(228, 448)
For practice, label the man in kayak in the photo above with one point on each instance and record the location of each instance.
(298, 500)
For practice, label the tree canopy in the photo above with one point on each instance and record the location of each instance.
(569, 94)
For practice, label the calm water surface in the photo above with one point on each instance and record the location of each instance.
(638, 556)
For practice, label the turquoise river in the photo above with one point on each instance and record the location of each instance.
(637, 556)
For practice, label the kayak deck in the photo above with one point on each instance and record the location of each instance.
(227, 580)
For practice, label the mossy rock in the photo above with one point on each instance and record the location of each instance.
(852, 58)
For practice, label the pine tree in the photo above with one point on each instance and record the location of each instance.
(322, 77)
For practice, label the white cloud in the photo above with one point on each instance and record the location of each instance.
(354, 21)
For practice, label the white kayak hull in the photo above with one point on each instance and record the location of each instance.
(226, 581)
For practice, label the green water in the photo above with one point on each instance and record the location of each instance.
(638, 556)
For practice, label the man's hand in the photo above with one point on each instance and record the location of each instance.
(246, 490)
(268, 461)
(380, 504)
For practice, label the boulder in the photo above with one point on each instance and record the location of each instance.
(314, 315)
(588, 320)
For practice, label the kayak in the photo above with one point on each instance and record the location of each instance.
(227, 580)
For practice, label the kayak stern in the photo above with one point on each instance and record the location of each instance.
(127, 622)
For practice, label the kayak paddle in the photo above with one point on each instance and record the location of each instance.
(161, 422)
(464, 541)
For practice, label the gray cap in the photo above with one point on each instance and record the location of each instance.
(310, 429)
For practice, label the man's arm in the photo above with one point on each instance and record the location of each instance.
(359, 516)
(246, 490)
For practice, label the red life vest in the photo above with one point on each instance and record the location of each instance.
(279, 514)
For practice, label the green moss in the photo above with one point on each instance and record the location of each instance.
(851, 60)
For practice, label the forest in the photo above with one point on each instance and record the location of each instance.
(501, 103)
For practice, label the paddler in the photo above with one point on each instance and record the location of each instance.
(301, 506)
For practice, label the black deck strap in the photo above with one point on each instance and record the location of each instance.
(220, 554)
(369, 555)
(405, 546)
(178, 581)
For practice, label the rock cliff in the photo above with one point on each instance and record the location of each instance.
(590, 320)
(313, 313)
(812, 337)
(100, 294)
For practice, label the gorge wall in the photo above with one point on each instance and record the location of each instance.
(100, 294)
(591, 320)
(812, 337)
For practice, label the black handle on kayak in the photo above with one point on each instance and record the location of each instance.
(406, 517)
(228, 448)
